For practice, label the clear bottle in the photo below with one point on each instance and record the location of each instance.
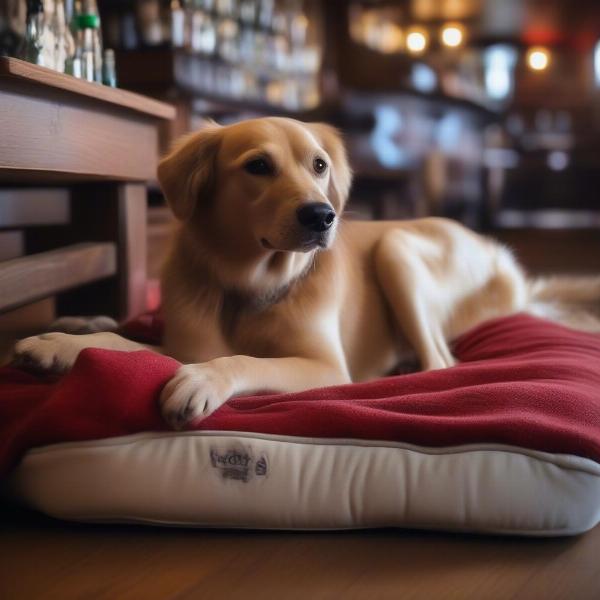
(69, 11)
(149, 21)
(228, 36)
(60, 34)
(197, 19)
(202, 26)
(128, 28)
(109, 68)
(177, 22)
(33, 44)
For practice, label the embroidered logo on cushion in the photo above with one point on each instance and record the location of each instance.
(238, 464)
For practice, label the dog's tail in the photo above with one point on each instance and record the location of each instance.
(571, 300)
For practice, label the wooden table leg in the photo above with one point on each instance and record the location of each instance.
(132, 252)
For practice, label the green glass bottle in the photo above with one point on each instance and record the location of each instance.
(88, 55)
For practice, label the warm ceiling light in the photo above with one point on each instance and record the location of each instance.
(389, 38)
(453, 35)
(416, 41)
(538, 59)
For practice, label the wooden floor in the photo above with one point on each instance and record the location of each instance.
(42, 558)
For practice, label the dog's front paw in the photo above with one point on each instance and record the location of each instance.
(193, 393)
(54, 352)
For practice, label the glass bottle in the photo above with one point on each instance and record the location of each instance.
(202, 28)
(60, 35)
(34, 33)
(149, 21)
(89, 47)
(12, 26)
(177, 24)
(109, 69)
(90, 7)
(195, 20)
(128, 28)
(227, 31)
(69, 11)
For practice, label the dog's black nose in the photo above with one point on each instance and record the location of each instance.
(316, 216)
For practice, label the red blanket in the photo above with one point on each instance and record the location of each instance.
(522, 381)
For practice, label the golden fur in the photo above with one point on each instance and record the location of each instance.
(253, 302)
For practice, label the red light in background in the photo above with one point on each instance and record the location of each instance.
(538, 36)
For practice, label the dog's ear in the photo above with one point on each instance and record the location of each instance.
(341, 174)
(187, 173)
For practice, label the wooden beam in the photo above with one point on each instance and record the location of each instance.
(20, 207)
(26, 279)
(12, 244)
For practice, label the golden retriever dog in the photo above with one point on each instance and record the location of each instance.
(267, 288)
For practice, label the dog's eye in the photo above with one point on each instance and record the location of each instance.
(259, 166)
(319, 165)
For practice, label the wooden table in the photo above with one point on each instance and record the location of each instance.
(100, 146)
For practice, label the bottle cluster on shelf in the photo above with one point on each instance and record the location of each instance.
(253, 50)
(63, 35)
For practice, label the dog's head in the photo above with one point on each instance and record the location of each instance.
(260, 186)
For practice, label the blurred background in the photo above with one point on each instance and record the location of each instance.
(486, 111)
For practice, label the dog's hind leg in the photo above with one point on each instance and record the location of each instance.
(414, 298)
